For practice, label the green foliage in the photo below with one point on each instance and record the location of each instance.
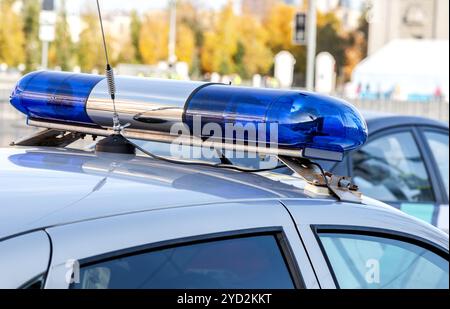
(135, 31)
(236, 44)
(90, 49)
(32, 45)
(238, 58)
(191, 17)
(363, 28)
(329, 39)
(62, 49)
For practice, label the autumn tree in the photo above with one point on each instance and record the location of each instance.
(153, 38)
(279, 27)
(363, 30)
(221, 43)
(356, 49)
(209, 56)
(193, 19)
(253, 54)
(30, 29)
(11, 35)
(90, 48)
(135, 31)
(61, 50)
(329, 38)
(185, 48)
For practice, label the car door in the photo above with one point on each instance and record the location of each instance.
(435, 141)
(368, 258)
(24, 260)
(357, 258)
(394, 167)
(233, 245)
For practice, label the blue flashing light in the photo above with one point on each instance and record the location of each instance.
(55, 95)
(305, 120)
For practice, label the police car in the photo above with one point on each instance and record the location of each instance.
(121, 215)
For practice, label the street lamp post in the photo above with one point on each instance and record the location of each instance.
(44, 58)
(47, 21)
(311, 44)
(172, 59)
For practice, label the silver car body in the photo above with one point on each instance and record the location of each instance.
(60, 205)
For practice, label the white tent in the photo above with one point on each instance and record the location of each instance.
(408, 68)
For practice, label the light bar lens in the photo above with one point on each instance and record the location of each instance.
(55, 95)
(305, 120)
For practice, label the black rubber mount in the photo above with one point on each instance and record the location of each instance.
(115, 143)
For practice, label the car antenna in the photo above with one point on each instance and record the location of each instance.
(115, 143)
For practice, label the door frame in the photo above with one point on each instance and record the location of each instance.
(92, 239)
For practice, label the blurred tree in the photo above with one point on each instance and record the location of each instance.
(153, 39)
(354, 53)
(185, 49)
(221, 44)
(11, 35)
(193, 18)
(356, 49)
(279, 27)
(238, 59)
(121, 51)
(330, 40)
(209, 59)
(90, 52)
(253, 54)
(61, 50)
(135, 32)
(363, 29)
(32, 45)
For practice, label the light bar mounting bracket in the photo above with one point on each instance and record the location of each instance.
(339, 186)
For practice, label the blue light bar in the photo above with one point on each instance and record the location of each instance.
(308, 124)
(305, 120)
(55, 95)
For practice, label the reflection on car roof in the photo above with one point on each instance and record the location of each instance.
(45, 186)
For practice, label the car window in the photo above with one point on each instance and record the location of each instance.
(253, 262)
(369, 262)
(390, 168)
(438, 143)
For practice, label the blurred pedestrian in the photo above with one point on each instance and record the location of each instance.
(437, 94)
(359, 90)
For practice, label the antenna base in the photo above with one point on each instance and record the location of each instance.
(115, 143)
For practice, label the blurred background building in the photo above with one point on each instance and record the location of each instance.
(408, 51)
(407, 19)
